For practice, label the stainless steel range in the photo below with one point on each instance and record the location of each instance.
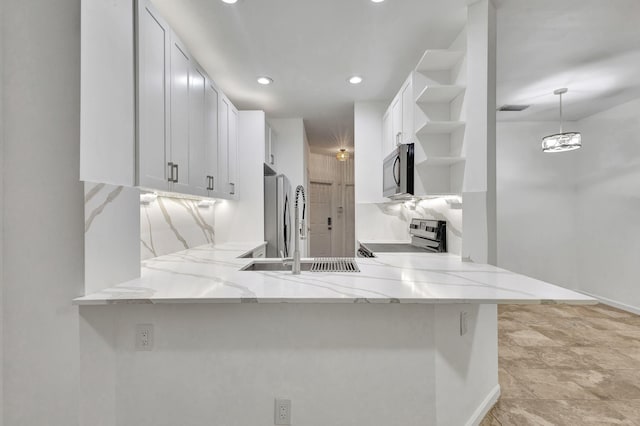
(426, 236)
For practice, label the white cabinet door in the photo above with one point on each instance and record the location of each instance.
(198, 180)
(179, 113)
(153, 96)
(387, 134)
(223, 147)
(233, 151)
(408, 103)
(211, 137)
(396, 122)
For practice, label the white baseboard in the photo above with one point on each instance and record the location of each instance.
(484, 407)
(613, 303)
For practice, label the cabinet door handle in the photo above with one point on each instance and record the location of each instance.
(233, 188)
(273, 160)
(213, 183)
(170, 164)
(176, 178)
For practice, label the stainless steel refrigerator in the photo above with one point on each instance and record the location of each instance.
(277, 216)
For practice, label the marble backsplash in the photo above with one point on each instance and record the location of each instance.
(390, 221)
(171, 224)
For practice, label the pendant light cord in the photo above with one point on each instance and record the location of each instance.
(561, 113)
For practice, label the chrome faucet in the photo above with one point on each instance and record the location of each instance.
(299, 231)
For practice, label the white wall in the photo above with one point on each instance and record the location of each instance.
(43, 211)
(291, 150)
(373, 364)
(367, 127)
(608, 205)
(479, 195)
(571, 218)
(535, 204)
(1, 205)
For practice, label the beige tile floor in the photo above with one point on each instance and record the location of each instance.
(567, 365)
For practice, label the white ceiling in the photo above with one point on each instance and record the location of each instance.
(310, 48)
(591, 47)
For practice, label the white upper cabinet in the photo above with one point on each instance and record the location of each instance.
(223, 147)
(408, 105)
(198, 181)
(212, 98)
(153, 96)
(179, 113)
(233, 151)
(163, 124)
(396, 122)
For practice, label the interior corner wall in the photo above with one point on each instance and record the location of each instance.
(1, 206)
(479, 197)
(535, 204)
(289, 150)
(608, 204)
(43, 211)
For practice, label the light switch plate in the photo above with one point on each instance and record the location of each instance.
(144, 337)
(283, 412)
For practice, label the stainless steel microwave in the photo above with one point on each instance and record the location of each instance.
(397, 173)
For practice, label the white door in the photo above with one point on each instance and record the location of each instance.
(153, 98)
(396, 122)
(198, 180)
(180, 70)
(320, 219)
(233, 151)
(223, 148)
(211, 144)
(387, 134)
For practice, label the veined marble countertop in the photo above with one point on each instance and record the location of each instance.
(211, 274)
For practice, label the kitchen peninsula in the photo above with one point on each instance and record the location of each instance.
(412, 338)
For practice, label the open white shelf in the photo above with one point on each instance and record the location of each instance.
(436, 94)
(439, 127)
(439, 60)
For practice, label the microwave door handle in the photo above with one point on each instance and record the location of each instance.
(396, 162)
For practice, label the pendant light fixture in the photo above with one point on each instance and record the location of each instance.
(342, 155)
(563, 141)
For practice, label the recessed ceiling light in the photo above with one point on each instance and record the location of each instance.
(356, 79)
(230, 1)
(377, 1)
(265, 80)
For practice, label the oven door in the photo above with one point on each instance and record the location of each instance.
(397, 173)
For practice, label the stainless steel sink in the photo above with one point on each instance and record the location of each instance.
(322, 264)
(276, 266)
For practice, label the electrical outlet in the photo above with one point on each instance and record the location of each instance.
(144, 337)
(283, 412)
(464, 326)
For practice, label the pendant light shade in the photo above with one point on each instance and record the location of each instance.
(563, 141)
(342, 155)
